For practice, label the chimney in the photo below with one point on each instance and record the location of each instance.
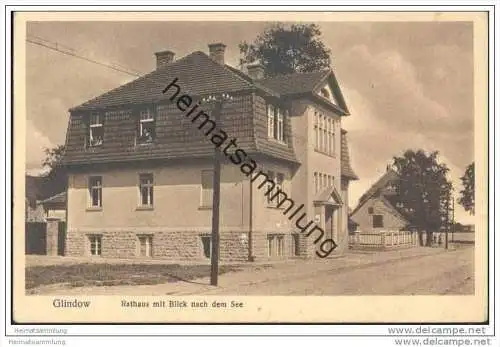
(217, 52)
(163, 58)
(256, 71)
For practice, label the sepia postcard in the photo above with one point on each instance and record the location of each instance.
(250, 167)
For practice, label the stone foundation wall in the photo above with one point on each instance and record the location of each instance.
(174, 245)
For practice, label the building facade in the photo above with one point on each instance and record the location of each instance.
(376, 210)
(140, 164)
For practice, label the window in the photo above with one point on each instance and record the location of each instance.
(270, 244)
(95, 191)
(207, 188)
(332, 142)
(324, 93)
(145, 245)
(280, 179)
(325, 135)
(276, 122)
(295, 245)
(95, 242)
(275, 245)
(206, 242)
(270, 121)
(146, 127)
(370, 210)
(378, 221)
(96, 130)
(146, 189)
(280, 245)
(316, 130)
(320, 142)
(280, 133)
(316, 182)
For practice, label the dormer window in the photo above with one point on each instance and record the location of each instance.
(96, 130)
(146, 127)
(276, 122)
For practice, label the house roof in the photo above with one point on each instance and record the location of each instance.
(56, 199)
(376, 190)
(197, 75)
(304, 83)
(345, 162)
(388, 177)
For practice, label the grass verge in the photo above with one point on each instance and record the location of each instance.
(87, 275)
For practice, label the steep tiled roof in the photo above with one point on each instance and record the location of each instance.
(295, 83)
(388, 177)
(197, 74)
(377, 189)
(346, 169)
(56, 199)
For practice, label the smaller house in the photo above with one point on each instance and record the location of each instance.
(377, 209)
(55, 206)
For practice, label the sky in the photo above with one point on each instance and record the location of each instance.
(408, 85)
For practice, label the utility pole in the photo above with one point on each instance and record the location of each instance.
(217, 101)
(452, 218)
(447, 220)
(214, 255)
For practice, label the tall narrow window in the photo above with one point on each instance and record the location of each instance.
(146, 189)
(320, 144)
(280, 179)
(325, 135)
(96, 130)
(316, 180)
(332, 144)
(280, 133)
(146, 127)
(295, 245)
(95, 243)
(280, 245)
(207, 190)
(270, 244)
(95, 191)
(270, 121)
(328, 136)
(316, 130)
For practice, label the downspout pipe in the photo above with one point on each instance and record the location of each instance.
(250, 224)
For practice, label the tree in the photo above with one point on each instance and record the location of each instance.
(56, 180)
(423, 191)
(53, 157)
(466, 198)
(287, 50)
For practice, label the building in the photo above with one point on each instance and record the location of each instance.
(140, 163)
(377, 210)
(55, 207)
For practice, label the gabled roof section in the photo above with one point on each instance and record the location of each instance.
(388, 177)
(308, 83)
(329, 196)
(56, 199)
(345, 162)
(197, 74)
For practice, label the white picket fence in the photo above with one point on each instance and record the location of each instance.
(383, 239)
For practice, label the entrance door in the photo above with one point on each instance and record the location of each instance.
(329, 221)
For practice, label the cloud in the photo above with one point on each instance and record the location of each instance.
(36, 142)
